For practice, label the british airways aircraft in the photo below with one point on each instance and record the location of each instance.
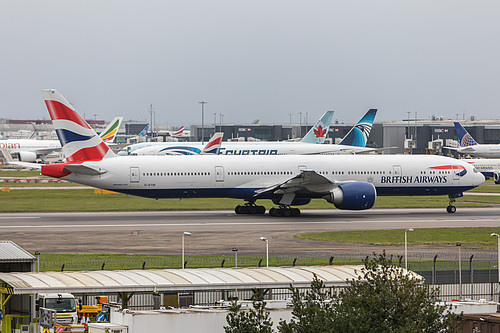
(489, 167)
(347, 181)
(353, 142)
(469, 146)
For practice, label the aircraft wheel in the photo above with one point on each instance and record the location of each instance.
(244, 210)
(272, 212)
(451, 209)
(253, 210)
(278, 212)
(287, 212)
(261, 210)
(237, 209)
(295, 212)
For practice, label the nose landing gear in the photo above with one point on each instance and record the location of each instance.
(451, 209)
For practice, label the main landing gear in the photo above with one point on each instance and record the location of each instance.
(250, 208)
(285, 211)
(451, 209)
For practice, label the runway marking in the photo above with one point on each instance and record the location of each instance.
(18, 217)
(229, 223)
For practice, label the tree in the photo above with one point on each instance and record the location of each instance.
(255, 320)
(384, 298)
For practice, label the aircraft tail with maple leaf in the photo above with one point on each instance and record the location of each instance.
(358, 135)
(318, 133)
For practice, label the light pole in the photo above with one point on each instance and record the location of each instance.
(498, 256)
(235, 250)
(460, 268)
(37, 253)
(202, 119)
(406, 248)
(264, 239)
(185, 233)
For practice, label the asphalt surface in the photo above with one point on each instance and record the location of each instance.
(217, 232)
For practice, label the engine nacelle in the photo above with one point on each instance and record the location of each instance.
(353, 196)
(496, 177)
(295, 202)
(26, 156)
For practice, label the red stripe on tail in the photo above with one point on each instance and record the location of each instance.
(59, 111)
(91, 153)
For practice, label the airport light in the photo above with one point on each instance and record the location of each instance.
(37, 253)
(235, 250)
(202, 120)
(460, 268)
(185, 233)
(498, 256)
(264, 239)
(406, 247)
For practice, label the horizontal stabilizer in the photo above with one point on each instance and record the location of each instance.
(84, 169)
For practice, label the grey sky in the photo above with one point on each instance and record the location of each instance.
(251, 59)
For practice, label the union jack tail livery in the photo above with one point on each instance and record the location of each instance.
(464, 138)
(213, 146)
(179, 131)
(78, 140)
(358, 135)
(318, 133)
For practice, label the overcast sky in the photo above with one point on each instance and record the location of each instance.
(251, 59)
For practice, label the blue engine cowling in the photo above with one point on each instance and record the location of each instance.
(353, 196)
(496, 177)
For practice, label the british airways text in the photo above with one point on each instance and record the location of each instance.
(412, 179)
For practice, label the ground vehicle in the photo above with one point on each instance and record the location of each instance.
(64, 304)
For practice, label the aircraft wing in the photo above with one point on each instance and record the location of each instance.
(305, 181)
(27, 164)
(372, 150)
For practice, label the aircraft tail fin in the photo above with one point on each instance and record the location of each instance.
(358, 135)
(318, 133)
(144, 132)
(78, 140)
(464, 138)
(179, 131)
(109, 133)
(213, 146)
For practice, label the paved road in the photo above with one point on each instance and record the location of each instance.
(217, 232)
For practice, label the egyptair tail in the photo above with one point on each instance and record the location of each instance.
(358, 135)
(109, 133)
(317, 134)
(213, 146)
(78, 140)
(179, 131)
(464, 138)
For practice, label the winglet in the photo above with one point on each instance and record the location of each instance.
(78, 140)
(318, 133)
(464, 138)
(213, 146)
(358, 135)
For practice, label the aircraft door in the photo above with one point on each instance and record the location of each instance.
(302, 167)
(396, 170)
(219, 175)
(134, 174)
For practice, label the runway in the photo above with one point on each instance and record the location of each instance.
(217, 232)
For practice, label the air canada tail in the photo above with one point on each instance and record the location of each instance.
(213, 146)
(358, 135)
(464, 138)
(78, 140)
(318, 133)
(109, 133)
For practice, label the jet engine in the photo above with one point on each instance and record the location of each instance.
(353, 196)
(496, 177)
(26, 156)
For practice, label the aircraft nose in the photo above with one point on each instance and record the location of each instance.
(479, 179)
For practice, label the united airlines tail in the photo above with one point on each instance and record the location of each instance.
(358, 135)
(464, 138)
(78, 140)
(109, 133)
(317, 134)
(213, 146)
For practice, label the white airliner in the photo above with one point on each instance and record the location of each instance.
(347, 181)
(489, 167)
(353, 142)
(28, 150)
(469, 146)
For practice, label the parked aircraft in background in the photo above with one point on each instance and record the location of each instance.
(178, 132)
(489, 167)
(144, 132)
(28, 150)
(469, 146)
(347, 181)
